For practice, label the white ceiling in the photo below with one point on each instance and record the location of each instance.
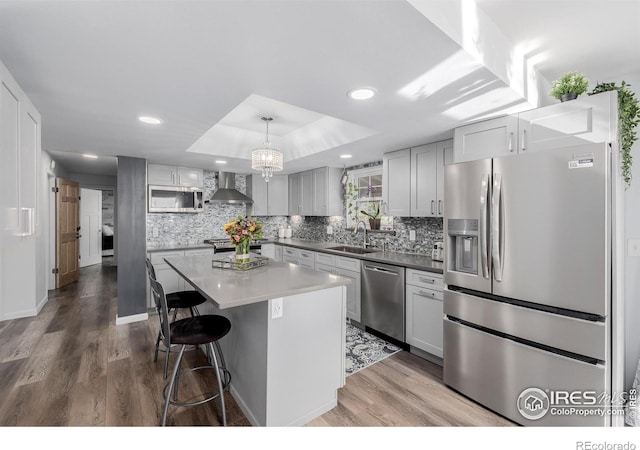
(92, 67)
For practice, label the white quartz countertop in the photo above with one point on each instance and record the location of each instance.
(230, 288)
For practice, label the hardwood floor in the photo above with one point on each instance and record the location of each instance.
(71, 366)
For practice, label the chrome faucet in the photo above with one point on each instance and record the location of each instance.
(365, 243)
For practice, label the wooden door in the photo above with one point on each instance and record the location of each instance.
(67, 231)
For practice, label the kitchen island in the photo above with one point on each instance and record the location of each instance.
(286, 347)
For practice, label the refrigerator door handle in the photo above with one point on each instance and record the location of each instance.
(484, 204)
(497, 232)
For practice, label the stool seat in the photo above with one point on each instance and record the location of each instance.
(184, 299)
(199, 330)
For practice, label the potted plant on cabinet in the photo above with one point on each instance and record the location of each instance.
(569, 86)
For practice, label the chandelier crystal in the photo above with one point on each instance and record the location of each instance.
(266, 159)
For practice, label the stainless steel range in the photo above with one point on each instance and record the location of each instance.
(223, 244)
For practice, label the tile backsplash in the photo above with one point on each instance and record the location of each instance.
(189, 229)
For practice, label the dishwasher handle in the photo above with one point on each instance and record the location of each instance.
(381, 270)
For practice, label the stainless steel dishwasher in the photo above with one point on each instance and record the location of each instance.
(383, 298)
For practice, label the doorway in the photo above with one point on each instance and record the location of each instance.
(90, 227)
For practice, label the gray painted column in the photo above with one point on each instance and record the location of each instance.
(132, 230)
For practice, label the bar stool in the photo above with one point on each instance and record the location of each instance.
(175, 301)
(195, 331)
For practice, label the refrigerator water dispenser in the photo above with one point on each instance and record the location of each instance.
(463, 240)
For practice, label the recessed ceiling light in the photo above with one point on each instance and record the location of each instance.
(345, 156)
(86, 155)
(362, 93)
(150, 120)
(220, 162)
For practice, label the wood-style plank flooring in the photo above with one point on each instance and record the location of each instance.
(72, 366)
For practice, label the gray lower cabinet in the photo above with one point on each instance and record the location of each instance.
(166, 276)
(272, 251)
(348, 268)
(424, 311)
(299, 257)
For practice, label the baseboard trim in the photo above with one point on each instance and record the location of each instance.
(20, 314)
(132, 318)
(42, 302)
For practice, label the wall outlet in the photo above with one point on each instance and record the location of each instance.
(329, 229)
(277, 306)
(633, 247)
(412, 235)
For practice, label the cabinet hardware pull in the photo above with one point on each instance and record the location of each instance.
(440, 207)
(427, 280)
(433, 204)
(510, 142)
(426, 294)
(524, 138)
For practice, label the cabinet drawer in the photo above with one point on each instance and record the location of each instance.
(291, 259)
(429, 280)
(325, 268)
(306, 255)
(348, 263)
(429, 293)
(325, 258)
(158, 257)
(289, 251)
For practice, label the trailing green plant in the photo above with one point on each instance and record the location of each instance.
(628, 119)
(570, 82)
(350, 198)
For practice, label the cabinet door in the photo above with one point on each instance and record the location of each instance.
(190, 177)
(320, 179)
(161, 175)
(424, 309)
(307, 259)
(258, 190)
(424, 162)
(306, 204)
(295, 194)
(396, 181)
(353, 293)
(278, 196)
(577, 122)
(444, 153)
(486, 139)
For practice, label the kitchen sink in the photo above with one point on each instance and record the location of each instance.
(357, 250)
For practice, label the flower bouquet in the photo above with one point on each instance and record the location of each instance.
(241, 232)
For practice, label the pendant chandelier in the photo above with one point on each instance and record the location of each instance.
(266, 159)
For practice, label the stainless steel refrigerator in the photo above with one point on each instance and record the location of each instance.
(528, 274)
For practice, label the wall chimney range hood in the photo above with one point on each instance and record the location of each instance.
(227, 192)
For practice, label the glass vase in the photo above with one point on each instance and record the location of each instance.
(242, 252)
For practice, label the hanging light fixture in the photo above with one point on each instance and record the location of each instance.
(266, 159)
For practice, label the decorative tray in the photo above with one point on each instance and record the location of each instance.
(229, 262)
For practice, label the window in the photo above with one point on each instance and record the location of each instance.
(363, 192)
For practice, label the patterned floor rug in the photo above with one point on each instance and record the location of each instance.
(364, 349)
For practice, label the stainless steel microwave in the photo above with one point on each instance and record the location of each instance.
(177, 199)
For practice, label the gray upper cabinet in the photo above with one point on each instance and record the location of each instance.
(424, 185)
(414, 179)
(161, 175)
(396, 179)
(566, 124)
(315, 192)
(269, 199)
(561, 125)
(486, 139)
(327, 192)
